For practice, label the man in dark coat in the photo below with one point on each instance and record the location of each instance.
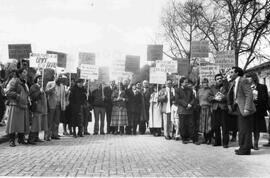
(146, 93)
(220, 110)
(240, 101)
(77, 99)
(185, 99)
(108, 100)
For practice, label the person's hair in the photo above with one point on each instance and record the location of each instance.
(239, 71)
(205, 80)
(253, 76)
(79, 81)
(36, 78)
(19, 71)
(218, 75)
(182, 79)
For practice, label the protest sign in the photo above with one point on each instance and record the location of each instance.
(117, 70)
(87, 58)
(168, 66)
(104, 75)
(183, 66)
(61, 58)
(19, 51)
(89, 72)
(132, 63)
(154, 52)
(209, 72)
(199, 48)
(42, 61)
(225, 59)
(157, 76)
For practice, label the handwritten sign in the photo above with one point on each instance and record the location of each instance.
(19, 51)
(183, 66)
(89, 71)
(44, 61)
(132, 63)
(168, 66)
(104, 75)
(61, 58)
(225, 59)
(157, 76)
(87, 58)
(209, 72)
(199, 49)
(154, 52)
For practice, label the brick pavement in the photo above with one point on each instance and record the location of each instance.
(139, 156)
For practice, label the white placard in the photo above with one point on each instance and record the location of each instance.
(157, 76)
(225, 59)
(89, 71)
(117, 70)
(209, 72)
(168, 66)
(38, 60)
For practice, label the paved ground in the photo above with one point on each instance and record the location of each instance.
(140, 155)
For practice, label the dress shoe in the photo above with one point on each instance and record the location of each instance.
(225, 146)
(256, 147)
(38, 140)
(177, 138)
(102, 133)
(196, 143)
(168, 138)
(95, 133)
(216, 144)
(12, 143)
(184, 141)
(65, 133)
(56, 138)
(86, 133)
(267, 144)
(22, 142)
(80, 134)
(47, 139)
(242, 153)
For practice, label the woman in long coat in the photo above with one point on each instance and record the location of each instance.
(18, 113)
(155, 115)
(260, 98)
(39, 110)
(119, 117)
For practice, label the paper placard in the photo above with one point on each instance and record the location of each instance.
(168, 66)
(157, 76)
(89, 71)
(43, 61)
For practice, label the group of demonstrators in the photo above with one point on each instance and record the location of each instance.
(179, 111)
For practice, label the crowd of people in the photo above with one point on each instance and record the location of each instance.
(236, 103)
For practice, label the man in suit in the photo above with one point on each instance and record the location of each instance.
(166, 96)
(220, 110)
(108, 100)
(146, 93)
(185, 99)
(240, 101)
(56, 95)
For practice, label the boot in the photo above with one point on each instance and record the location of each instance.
(12, 140)
(21, 139)
(31, 138)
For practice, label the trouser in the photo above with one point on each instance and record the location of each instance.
(135, 117)
(53, 121)
(187, 127)
(176, 125)
(142, 127)
(85, 118)
(99, 111)
(129, 126)
(108, 117)
(245, 132)
(220, 119)
(167, 124)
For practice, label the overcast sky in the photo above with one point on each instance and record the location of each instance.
(110, 28)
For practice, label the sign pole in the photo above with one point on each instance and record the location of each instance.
(88, 86)
(42, 78)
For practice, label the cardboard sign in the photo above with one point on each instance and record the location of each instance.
(168, 66)
(87, 58)
(117, 70)
(132, 63)
(225, 59)
(43, 61)
(154, 52)
(19, 51)
(209, 72)
(104, 75)
(199, 49)
(157, 76)
(89, 72)
(61, 58)
(183, 66)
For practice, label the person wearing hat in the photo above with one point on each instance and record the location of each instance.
(77, 100)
